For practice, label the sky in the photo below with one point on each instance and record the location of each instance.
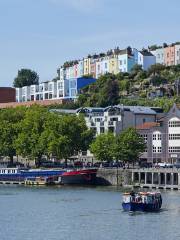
(42, 34)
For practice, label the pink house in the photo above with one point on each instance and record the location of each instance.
(169, 58)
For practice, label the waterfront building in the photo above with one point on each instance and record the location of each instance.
(73, 86)
(162, 137)
(177, 54)
(160, 55)
(170, 55)
(114, 118)
(52, 90)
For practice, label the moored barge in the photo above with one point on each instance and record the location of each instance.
(79, 177)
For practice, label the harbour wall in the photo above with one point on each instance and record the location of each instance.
(142, 178)
(115, 177)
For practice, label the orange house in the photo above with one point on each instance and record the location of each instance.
(169, 58)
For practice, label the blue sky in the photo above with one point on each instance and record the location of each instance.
(42, 34)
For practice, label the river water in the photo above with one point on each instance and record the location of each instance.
(77, 213)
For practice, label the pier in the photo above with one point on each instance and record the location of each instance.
(162, 178)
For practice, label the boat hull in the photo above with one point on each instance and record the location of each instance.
(21, 176)
(81, 177)
(142, 207)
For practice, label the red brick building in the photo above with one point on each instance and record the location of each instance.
(7, 94)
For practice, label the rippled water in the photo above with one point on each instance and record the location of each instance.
(57, 213)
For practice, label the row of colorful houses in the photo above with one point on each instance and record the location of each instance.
(115, 62)
(74, 75)
(168, 56)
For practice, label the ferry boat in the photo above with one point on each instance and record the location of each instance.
(20, 175)
(79, 177)
(142, 201)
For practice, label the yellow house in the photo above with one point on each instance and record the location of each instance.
(87, 66)
(113, 64)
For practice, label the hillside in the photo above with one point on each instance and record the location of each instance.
(159, 86)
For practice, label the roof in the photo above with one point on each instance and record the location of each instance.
(148, 125)
(146, 53)
(138, 109)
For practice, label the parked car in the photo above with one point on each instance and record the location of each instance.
(164, 165)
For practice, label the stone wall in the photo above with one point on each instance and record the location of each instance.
(115, 177)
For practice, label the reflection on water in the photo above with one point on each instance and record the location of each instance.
(77, 213)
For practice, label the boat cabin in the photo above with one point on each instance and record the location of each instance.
(8, 170)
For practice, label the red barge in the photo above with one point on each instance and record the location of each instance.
(79, 177)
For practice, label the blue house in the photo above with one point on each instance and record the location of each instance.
(74, 85)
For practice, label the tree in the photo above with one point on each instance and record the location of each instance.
(26, 77)
(103, 147)
(156, 69)
(9, 130)
(66, 134)
(129, 146)
(31, 141)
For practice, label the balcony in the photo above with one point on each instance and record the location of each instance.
(110, 123)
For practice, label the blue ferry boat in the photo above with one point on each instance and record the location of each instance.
(142, 201)
(20, 175)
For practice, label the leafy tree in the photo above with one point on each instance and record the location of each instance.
(66, 134)
(157, 80)
(31, 140)
(9, 129)
(156, 69)
(25, 77)
(103, 147)
(129, 146)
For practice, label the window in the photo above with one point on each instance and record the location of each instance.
(61, 93)
(174, 136)
(73, 84)
(105, 65)
(154, 136)
(98, 119)
(101, 130)
(174, 124)
(60, 85)
(174, 149)
(145, 137)
(159, 137)
(124, 61)
(154, 149)
(120, 62)
(114, 119)
(159, 149)
(73, 92)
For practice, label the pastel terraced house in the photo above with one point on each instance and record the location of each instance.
(169, 59)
